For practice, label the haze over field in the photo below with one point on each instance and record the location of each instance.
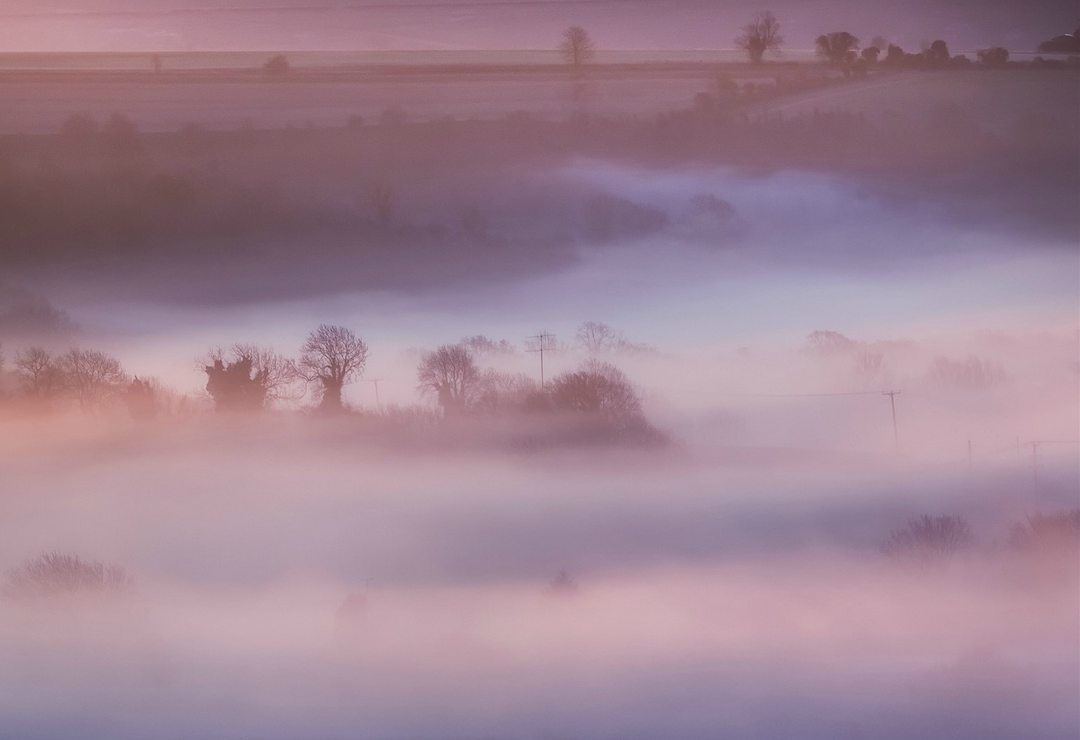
(563, 397)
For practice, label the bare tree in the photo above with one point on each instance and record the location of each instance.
(577, 47)
(37, 371)
(595, 337)
(332, 356)
(90, 376)
(759, 36)
(452, 375)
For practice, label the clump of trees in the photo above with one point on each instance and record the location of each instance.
(837, 47)
(761, 35)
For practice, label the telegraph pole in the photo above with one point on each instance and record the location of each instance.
(378, 406)
(541, 343)
(892, 402)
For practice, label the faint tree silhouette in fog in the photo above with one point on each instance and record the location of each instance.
(451, 374)
(90, 376)
(499, 393)
(870, 366)
(563, 584)
(597, 388)
(483, 347)
(829, 343)
(894, 54)
(55, 575)
(938, 53)
(121, 134)
(330, 357)
(973, 373)
(1057, 533)
(759, 36)
(248, 378)
(836, 47)
(384, 201)
(141, 399)
(38, 372)
(80, 126)
(277, 65)
(25, 313)
(577, 47)
(929, 540)
(595, 337)
(870, 54)
(994, 57)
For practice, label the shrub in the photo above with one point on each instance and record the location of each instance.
(55, 575)
(929, 540)
(1057, 533)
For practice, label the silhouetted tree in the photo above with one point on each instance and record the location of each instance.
(929, 540)
(38, 372)
(759, 36)
(597, 388)
(452, 375)
(506, 392)
(895, 54)
(870, 54)
(938, 53)
(837, 46)
(577, 47)
(90, 376)
(248, 378)
(332, 356)
(595, 337)
(1068, 43)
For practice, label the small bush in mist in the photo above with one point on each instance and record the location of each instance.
(277, 65)
(929, 540)
(563, 584)
(1055, 534)
(59, 576)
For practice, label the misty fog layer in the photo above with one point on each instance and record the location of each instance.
(628, 404)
